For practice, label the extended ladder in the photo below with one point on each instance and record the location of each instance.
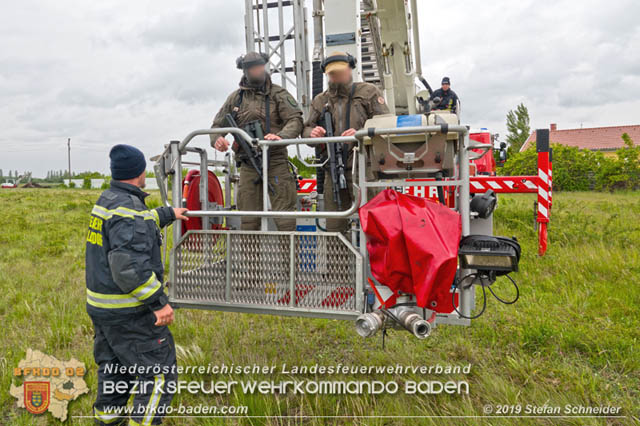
(278, 28)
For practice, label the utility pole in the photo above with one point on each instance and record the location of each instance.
(69, 155)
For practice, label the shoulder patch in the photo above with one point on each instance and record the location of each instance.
(109, 195)
(367, 91)
(292, 101)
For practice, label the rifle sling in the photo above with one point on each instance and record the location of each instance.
(267, 109)
(345, 152)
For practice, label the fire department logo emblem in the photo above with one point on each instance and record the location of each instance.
(36, 397)
(48, 384)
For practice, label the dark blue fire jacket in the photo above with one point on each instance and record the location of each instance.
(124, 271)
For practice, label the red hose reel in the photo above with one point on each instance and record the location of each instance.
(191, 197)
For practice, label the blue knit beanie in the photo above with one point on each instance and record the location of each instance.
(127, 162)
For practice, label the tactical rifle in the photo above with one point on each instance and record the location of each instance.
(253, 155)
(336, 160)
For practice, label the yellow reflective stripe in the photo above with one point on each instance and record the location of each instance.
(133, 423)
(111, 305)
(100, 212)
(148, 288)
(106, 214)
(127, 300)
(147, 214)
(154, 399)
(156, 217)
(105, 417)
(107, 296)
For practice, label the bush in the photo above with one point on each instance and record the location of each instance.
(72, 184)
(580, 169)
(86, 183)
(105, 184)
(574, 169)
(623, 171)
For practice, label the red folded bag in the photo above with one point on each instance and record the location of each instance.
(413, 246)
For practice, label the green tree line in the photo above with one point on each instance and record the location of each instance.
(577, 169)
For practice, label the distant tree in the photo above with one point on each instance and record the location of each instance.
(304, 171)
(625, 138)
(518, 127)
(88, 174)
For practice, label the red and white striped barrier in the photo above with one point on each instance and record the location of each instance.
(307, 186)
(544, 188)
(540, 184)
(504, 184)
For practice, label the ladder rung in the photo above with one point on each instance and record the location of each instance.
(277, 37)
(273, 4)
(277, 69)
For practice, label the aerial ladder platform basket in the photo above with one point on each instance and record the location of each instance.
(308, 272)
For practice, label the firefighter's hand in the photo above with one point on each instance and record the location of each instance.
(318, 132)
(164, 315)
(349, 132)
(271, 137)
(179, 212)
(221, 144)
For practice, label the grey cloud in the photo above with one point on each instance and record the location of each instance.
(210, 25)
(567, 62)
(148, 71)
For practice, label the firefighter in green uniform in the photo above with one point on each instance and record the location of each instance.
(262, 105)
(351, 105)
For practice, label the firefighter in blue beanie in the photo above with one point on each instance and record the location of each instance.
(126, 299)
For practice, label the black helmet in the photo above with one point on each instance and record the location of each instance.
(244, 62)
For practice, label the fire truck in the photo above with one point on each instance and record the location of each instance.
(417, 253)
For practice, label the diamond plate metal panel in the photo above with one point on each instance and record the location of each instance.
(325, 273)
(200, 263)
(259, 269)
(256, 269)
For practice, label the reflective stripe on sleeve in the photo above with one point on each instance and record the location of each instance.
(148, 288)
(156, 217)
(107, 214)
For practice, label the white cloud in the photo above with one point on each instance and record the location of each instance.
(149, 71)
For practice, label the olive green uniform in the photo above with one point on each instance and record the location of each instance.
(367, 101)
(285, 120)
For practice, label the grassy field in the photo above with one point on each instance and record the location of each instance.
(573, 337)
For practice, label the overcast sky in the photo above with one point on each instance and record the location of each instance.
(147, 71)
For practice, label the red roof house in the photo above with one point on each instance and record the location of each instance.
(593, 138)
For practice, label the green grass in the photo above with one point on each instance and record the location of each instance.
(572, 338)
